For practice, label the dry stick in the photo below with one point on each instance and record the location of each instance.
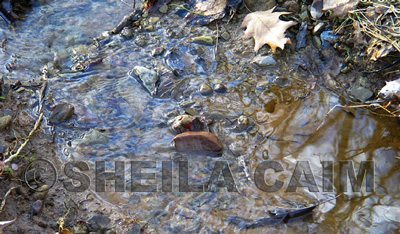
(27, 139)
(3, 203)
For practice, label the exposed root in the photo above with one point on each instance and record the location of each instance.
(3, 203)
(35, 128)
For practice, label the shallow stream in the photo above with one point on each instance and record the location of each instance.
(263, 115)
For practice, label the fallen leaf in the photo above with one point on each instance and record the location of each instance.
(339, 7)
(391, 89)
(266, 28)
(65, 231)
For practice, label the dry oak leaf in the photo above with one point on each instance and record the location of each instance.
(266, 28)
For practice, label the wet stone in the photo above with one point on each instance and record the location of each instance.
(154, 20)
(163, 9)
(37, 207)
(205, 89)
(149, 28)
(62, 112)
(205, 40)
(141, 42)
(146, 77)
(270, 106)
(197, 142)
(5, 121)
(263, 61)
(157, 51)
(98, 222)
(243, 120)
(318, 28)
(225, 35)
(127, 32)
(328, 37)
(187, 104)
(184, 123)
(220, 88)
(134, 230)
(361, 93)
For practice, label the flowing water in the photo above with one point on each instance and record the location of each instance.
(264, 115)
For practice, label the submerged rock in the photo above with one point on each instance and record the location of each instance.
(205, 89)
(205, 40)
(361, 93)
(263, 61)
(220, 88)
(163, 9)
(62, 112)
(146, 77)
(184, 123)
(197, 142)
(5, 121)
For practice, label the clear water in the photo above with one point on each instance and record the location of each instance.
(116, 119)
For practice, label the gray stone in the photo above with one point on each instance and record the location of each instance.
(205, 89)
(146, 77)
(62, 112)
(263, 61)
(361, 93)
(163, 9)
(5, 121)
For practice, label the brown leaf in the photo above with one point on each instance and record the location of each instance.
(339, 7)
(65, 231)
(266, 28)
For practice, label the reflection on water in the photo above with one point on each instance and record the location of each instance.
(116, 119)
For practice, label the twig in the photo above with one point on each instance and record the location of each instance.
(3, 203)
(27, 139)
